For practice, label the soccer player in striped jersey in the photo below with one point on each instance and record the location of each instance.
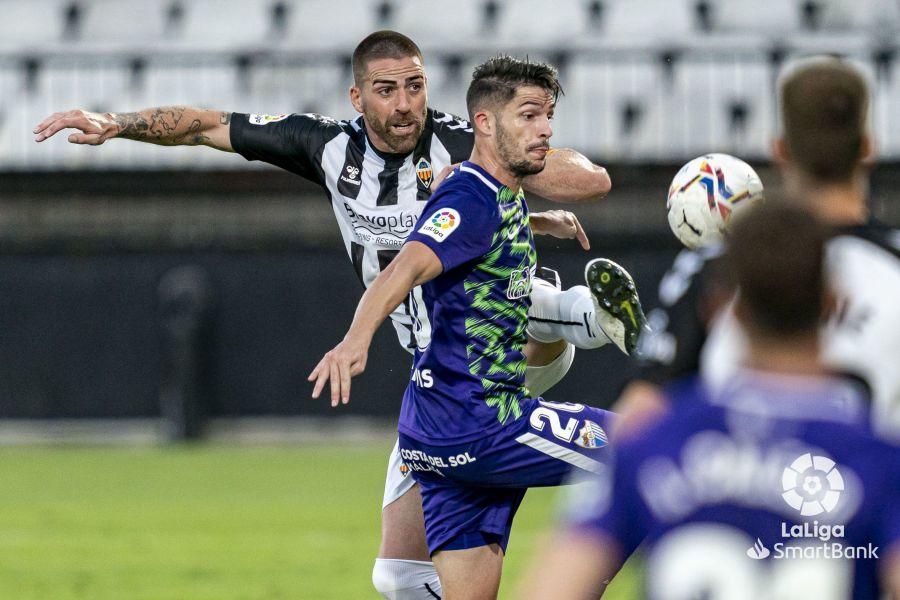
(378, 171)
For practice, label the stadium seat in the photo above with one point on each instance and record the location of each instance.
(124, 24)
(447, 82)
(652, 23)
(33, 25)
(12, 93)
(336, 25)
(460, 26)
(226, 24)
(770, 17)
(886, 117)
(527, 24)
(612, 108)
(284, 87)
(863, 15)
(724, 105)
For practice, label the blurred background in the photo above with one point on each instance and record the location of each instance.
(135, 275)
(153, 294)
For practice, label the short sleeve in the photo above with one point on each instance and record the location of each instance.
(458, 223)
(292, 142)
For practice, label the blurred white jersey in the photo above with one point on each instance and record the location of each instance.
(861, 339)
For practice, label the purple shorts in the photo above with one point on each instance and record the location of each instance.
(471, 491)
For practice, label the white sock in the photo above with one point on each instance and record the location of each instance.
(406, 579)
(564, 315)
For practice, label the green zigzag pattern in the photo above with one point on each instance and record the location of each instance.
(487, 331)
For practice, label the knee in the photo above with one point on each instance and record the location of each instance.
(405, 579)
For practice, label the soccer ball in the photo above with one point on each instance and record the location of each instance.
(704, 195)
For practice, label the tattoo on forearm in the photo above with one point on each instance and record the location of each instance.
(132, 126)
(192, 136)
(225, 118)
(161, 126)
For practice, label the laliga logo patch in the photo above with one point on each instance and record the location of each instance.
(812, 485)
(441, 224)
(266, 119)
(591, 436)
(424, 172)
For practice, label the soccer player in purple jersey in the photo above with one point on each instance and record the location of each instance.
(472, 435)
(773, 485)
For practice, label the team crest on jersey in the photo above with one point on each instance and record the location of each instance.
(424, 172)
(266, 119)
(441, 224)
(519, 283)
(591, 436)
(404, 470)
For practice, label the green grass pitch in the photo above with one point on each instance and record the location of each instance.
(207, 522)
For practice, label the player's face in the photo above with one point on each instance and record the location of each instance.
(523, 131)
(393, 101)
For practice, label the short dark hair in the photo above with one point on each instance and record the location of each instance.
(494, 82)
(381, 44)
(824, 107)
(775, 255)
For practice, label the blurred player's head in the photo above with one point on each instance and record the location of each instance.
(775, 254)
(824, 103)
(510, 104)
(389, 90)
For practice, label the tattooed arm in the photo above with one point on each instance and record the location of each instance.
(166, 126)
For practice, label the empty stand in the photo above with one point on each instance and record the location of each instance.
(656, 79)
(724, 103)
(434, 25)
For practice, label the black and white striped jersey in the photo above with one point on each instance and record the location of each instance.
(862, 337)
(376, 197)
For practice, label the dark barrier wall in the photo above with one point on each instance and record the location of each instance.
(84, 331)
(84, 337)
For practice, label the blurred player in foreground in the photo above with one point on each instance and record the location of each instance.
(824, 153)
(471, 434)
(772, 486)
(378, 171)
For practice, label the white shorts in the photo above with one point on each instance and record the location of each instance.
(537, 379)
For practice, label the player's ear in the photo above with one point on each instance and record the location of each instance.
(356, 99)
(867, 151)
(780, 153)
(483, 121)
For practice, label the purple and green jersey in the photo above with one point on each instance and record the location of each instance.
(468, 382)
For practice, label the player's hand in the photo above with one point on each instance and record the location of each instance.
(94, 128)
(442, 176)
(344, 361)
(560, 224)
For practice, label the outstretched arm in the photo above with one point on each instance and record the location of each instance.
(569, 177)
(166, 126)
(414, 265)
